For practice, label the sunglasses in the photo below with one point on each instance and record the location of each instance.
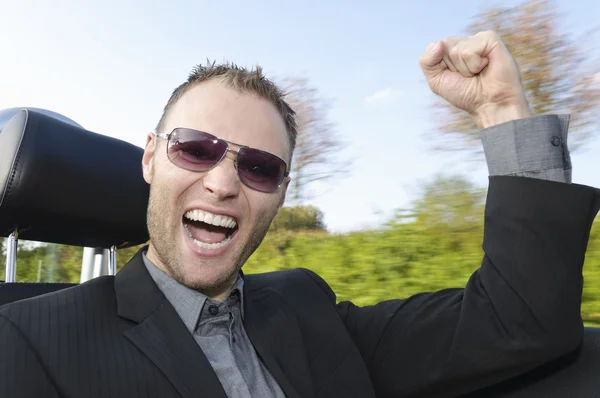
(195, 150)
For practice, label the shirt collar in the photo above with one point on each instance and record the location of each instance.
(188, 303)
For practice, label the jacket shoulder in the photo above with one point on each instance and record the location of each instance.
(296, 282)
(36, 300)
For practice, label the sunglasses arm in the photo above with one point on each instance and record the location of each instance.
(164, 136)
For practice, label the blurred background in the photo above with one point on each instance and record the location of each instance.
(389, 183)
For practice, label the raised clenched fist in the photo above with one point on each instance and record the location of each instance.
(478, 75)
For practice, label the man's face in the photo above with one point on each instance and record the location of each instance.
(177, 194)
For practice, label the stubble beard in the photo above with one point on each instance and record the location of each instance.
(166, 249)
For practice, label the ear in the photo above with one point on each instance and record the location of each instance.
(147, 159)
(286, 183)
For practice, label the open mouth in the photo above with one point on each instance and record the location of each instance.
(208, 230)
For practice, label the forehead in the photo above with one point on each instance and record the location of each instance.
(243, 118)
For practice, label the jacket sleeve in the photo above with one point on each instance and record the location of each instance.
(520, 309)
(21, 373)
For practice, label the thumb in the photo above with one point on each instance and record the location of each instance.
(431, 59)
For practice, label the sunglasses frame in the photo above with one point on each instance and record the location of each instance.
(167, 137)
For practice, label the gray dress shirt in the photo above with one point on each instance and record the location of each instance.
(218, 329)
(535, 147)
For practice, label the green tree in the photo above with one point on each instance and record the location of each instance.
(298, 218)
(452, 201)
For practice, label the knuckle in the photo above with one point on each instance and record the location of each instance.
(454, 52)
(492, 34)
(487, 32)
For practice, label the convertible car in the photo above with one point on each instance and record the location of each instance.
(60, 183)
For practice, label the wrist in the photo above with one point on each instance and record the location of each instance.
(491, 115)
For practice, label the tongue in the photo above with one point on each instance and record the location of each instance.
(207, 233)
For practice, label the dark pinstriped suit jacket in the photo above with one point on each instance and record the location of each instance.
(120, 337)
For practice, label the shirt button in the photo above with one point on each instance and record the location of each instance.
(213, 309)
(555, 141)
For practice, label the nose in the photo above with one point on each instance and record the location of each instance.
(222, 180)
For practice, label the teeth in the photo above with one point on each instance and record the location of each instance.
(205, 245)
(209, 218)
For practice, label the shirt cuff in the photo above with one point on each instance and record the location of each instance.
(534, 147)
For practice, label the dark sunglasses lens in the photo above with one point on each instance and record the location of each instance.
(260, 170)
(195, 150)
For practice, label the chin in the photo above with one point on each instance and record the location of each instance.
(203, 274)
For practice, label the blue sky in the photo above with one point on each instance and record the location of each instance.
(112, 65)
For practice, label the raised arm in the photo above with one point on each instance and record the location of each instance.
(522, 307)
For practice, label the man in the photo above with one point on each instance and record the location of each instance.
(181, 320)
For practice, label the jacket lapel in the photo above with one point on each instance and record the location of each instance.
(161, 335)
(275, 334)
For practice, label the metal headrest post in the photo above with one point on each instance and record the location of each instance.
(11, 257)
(112, 261)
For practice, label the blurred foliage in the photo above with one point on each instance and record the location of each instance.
(435, 244)
(318, 153)
(559, 73)
(298, 218)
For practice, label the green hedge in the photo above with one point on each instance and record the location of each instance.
(366, 267)
(399, 261)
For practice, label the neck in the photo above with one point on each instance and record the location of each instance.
(218, 293)
(221, 292)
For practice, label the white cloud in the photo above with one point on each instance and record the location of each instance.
(383, 95)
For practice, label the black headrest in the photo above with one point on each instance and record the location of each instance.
(7, 114)
(60, 183)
